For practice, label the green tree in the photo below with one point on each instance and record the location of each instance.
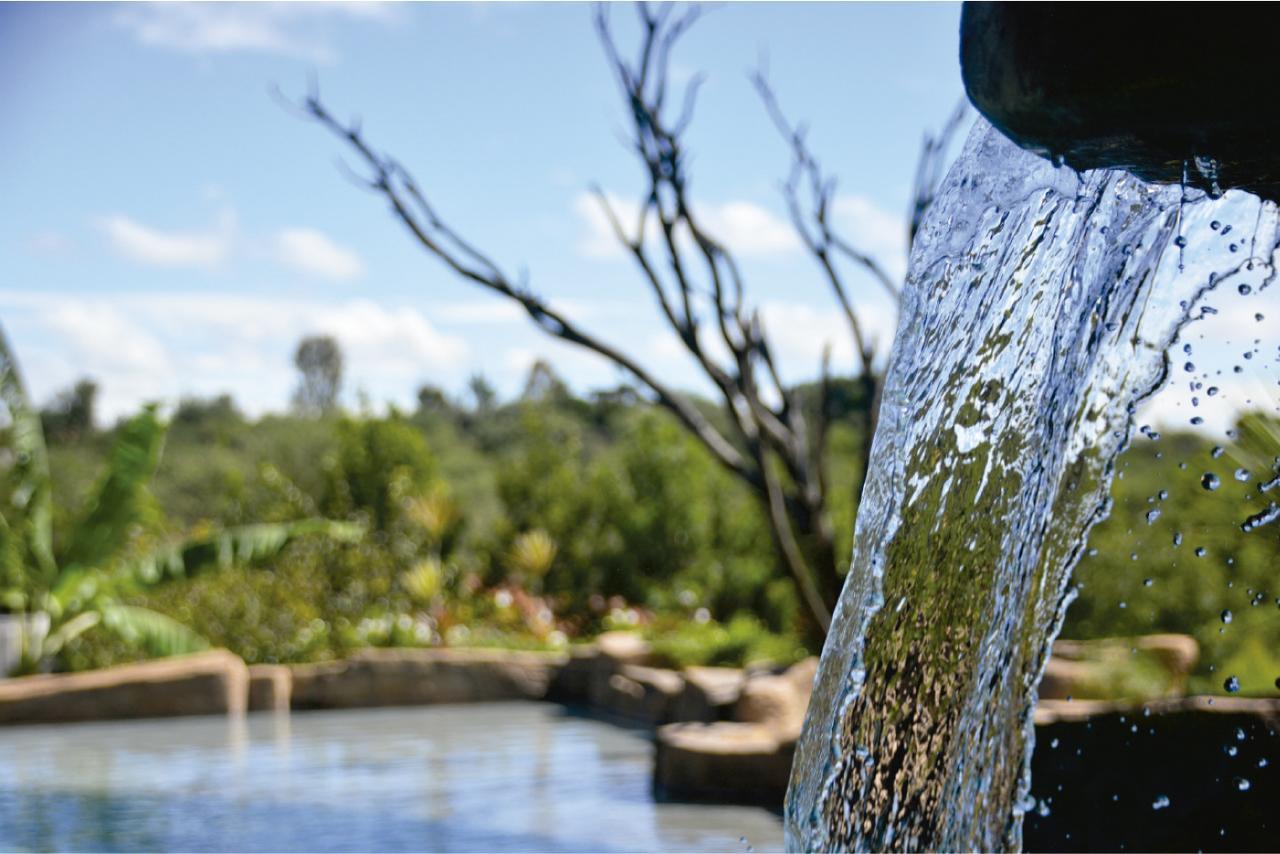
(319, 361)
(72, 413)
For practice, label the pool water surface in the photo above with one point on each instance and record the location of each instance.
(483, 777)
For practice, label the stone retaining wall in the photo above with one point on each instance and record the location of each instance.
(270, 688)
(207, 683)
(412, 677)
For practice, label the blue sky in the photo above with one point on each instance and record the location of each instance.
(168, 229)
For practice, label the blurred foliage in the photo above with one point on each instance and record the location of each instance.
(1172, 556)
(743, 640)
(112, 544)
(537, 522)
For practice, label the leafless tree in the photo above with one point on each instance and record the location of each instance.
(772, 442)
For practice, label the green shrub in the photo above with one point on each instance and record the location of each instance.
(743, 641)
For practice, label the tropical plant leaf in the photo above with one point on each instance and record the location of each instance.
(245, 544)
(121, 500)
(67, 632)
(158, 634)
(29, 512)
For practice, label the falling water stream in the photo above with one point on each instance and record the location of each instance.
(1038, 311)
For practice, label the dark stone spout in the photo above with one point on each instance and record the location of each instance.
(1168, 92)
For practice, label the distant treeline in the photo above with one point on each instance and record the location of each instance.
(554, 515)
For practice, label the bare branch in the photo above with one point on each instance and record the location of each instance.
(770, 443)
(411, 207)
(814, 227)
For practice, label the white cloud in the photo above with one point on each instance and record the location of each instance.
(479, 312)
(298, 30)
(799, 332)
(148, 346)
(158, 248)
(313, 252)
(873, 230)
(748, 229)
(745, 228)
(599, 240)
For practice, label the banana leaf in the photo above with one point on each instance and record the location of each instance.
(159, 635)
(29, 514)
(245, 544)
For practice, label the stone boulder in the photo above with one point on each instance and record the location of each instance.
(625, 648)
(412, 677)
(726, 762)
(1144, 667)
(778, 701)
(747, 760)
(207, 683)
(642, 694)
(615, 675)
(709, 694)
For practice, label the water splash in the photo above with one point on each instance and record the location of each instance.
(1038, 311)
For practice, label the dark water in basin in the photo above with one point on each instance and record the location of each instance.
(485, 777)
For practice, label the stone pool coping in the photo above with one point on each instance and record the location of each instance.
(722, 734)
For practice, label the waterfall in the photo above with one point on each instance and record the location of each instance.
(1039, 307)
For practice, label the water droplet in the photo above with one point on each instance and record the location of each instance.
(1197, 421)
(1180, 241)
(1226, 616)
(1210, 481)
(1217, 451)
(1152, 516)
(1177, 539)
(1215, 225)
(1201, 551)
(1243, 784)
(1242, 474)
(1161, 802)
(1245, 290)
(1189, 367)
(1263, 763)
(1240, 736)
(1232, 685)
(1230, 749)
(1147, 582)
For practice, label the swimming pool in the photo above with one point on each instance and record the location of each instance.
(484, 777)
